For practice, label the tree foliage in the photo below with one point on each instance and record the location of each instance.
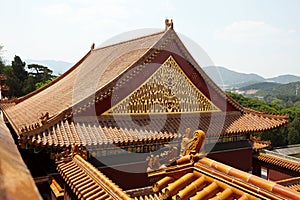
(282, 136)
(23, 79)
(289, 92)
(1, 61)
(18, 67)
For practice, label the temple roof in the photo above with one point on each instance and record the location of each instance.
(207, 178)
(57, 96)
(16, 181)
(192, 177)
(130, 72)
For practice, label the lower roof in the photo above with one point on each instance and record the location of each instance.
(206, 178)
(192, 177)
(280, 160)
(87, 182)
(288, 150)
(123, 130)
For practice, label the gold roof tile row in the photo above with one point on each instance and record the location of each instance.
(195, 185)
(195, 178)
(209, 179)
(65, 134)
(87, 182)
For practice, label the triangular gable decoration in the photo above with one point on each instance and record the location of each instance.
(168, 90)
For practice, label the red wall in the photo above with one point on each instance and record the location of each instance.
(275, 175)
(125, 179)
(237, 158)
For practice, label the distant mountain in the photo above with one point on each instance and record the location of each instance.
(259, 86)
(285, 79)
(289, 90)
(231, 78)
(227, 79)
(57, 66)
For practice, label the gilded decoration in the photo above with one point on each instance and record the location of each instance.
(168, 90)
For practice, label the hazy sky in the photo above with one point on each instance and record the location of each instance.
(257, 36)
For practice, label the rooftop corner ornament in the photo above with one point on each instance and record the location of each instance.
(192, 149)
(193, 145)
(93, 46)
(169, 24)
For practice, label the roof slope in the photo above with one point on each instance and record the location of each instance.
(58, 96)
(15, 178)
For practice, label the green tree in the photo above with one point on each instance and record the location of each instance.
(22, 80)
(2, 65)
(282, 136)
(293, 131)
(16, 76)
(278, 137)
(29, 85)
(40, 84)
(19, 68)
(40, 73)
(12, 81)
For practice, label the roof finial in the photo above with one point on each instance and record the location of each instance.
(169, 24)
(93, 46)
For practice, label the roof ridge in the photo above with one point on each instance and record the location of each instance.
(130, 40)
(265, 114)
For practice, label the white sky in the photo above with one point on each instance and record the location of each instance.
(257, 36)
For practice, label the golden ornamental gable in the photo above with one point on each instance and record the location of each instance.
(168, 90)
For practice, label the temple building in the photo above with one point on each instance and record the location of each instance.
(129, 115)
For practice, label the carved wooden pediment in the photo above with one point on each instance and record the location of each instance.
(168, 90)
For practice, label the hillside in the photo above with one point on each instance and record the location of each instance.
(260, 86)
(287, 92)
(231, 78)
(285, 79)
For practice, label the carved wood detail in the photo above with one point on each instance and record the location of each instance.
(168, 90)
